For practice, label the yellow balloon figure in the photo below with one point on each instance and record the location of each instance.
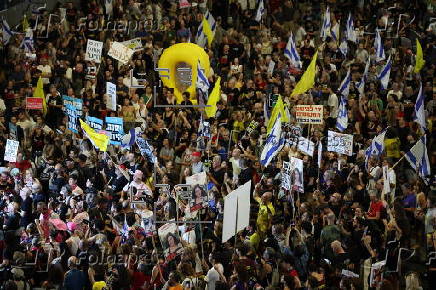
(181, 60)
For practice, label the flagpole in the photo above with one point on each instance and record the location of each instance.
(398, 162)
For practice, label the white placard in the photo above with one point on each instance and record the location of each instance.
(134, 44)
(271, 66)
(386, 181)
(236, 211)
(120, 52)
(340, 143)
(111, 91)
(198, 178)
(11, 150)
(309, 114)
(306, 146)
(296, 169)
(93, 51)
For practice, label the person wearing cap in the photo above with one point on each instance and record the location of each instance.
(196, 164)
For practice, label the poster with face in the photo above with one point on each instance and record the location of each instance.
(296, 170)
(170, 241)
(199, 199)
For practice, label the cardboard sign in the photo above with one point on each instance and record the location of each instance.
(11, 150)
(134, 44)
(309, 114)
(111, 91)
(120, 52)
(93, 51)
(340, 143)
(34, 103)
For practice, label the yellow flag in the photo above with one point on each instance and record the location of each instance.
(207, 31)
(214, 97)
(39, 93)
(99, 141)
(419, 60)
(278, 108)
(308, 79)
(25, 23)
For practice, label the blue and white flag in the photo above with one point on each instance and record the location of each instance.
(27, 43)
(201, 38)
(385, 73)
(202, 83)
(342, 119)
(260, 11)
(326, 25)
(350, 32)
(273, 144)
(146, 149)
(419, 110)
(129, 139)
(376, 148)
(343, 47)
(291, 52)
(418, 158)
(335, 31)
(379, 50)
(7, 32)
(361, 85)
(344, 88)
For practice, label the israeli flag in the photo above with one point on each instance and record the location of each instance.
(201, 38)
(383, 77)
(379, 50)
(342, 119)
(326, 25)
(260, 11)
(419, 110)
(351, 34)
(343, 47)
(344, 88)
(202, 81)
(376, 148)
(361, 85)
(335, 31)
(273, 144)
(27, 43)
(291, 52)
(211, 20)
(418, 158)
(7, 32)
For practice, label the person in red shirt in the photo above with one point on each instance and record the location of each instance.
(375, 207)
(21, 163)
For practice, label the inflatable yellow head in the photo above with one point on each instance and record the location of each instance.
(181, 60)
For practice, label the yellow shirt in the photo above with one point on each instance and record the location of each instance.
(98, 285)
(392, 147)
(266, 211)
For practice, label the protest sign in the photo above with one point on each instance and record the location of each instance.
(11, 150)
(236, 211)
(93, 51)
(386, 181)
(340, 143)
(146, 149)
(134, 44)
(34, 103)
(111, 91)
(296, 173)
(94, 123)
(309, 114)
(13, 131)
(170, 241)
(184, 4)
(77, 103)
(120, 52)
(286, 176)
(306, 146)
(71, 112)
(292, 135)
(114, 125)
(271, 66)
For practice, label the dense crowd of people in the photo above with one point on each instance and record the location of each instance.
(75, 217)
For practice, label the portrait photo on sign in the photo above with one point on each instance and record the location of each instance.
(296, 169)
(199, 199)
(170, 241)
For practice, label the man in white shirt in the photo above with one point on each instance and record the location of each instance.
(215, 273)
(333, 103)
(45, 71)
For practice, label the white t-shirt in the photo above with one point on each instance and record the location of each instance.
(334, 105)
(212, 277)
(46, 69)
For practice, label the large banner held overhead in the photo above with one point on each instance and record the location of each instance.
(114, 125)
(340, 143)
(236, 211)
(11, 150)
(71, 112)
(93, 51)
(309, 114)
(95, 123)
(120, 52)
